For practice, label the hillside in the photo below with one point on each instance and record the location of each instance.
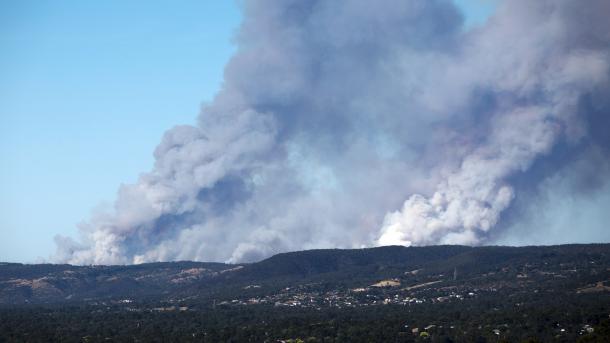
(47, 283)
(448, 293)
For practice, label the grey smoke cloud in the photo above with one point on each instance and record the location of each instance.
(357, 123)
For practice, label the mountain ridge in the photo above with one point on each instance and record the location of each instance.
(57, 283)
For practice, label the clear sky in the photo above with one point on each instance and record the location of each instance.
(87, 89)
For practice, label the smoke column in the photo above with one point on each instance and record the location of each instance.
(356, 123)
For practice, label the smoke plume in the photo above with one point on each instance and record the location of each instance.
(357, 123)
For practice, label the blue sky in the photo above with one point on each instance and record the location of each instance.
(86, 92)
(477, 11)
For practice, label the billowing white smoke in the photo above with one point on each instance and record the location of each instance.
(542, 77)
(332, 113)
(469, 201)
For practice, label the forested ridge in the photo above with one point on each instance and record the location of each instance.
(387, 294)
